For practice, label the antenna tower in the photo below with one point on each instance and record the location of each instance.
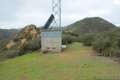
(56, 11)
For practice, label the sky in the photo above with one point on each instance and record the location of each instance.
(18, 13)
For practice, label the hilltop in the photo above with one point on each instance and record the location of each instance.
(90, 25)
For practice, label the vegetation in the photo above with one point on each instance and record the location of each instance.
(87, 39)
(99, 33)
(33, 45)
(76, 63)
(108, 44)
(96, 32)
(7, 33)
(90, 25)
(68, 38)
(27, 40)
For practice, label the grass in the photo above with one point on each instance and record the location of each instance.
(77, 62)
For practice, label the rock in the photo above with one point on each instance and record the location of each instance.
(30, 32)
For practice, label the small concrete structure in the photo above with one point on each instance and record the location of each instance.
(51, 40)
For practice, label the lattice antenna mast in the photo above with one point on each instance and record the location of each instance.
(56, 11)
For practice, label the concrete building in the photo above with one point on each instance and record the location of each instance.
(51, 40)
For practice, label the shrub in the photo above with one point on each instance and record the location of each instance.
(108, 44)
(29, 46)
(33, 45)
(10, 53)
(3, 43)
(87, 39)
(68, 39)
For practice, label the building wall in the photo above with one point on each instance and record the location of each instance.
(51, 41)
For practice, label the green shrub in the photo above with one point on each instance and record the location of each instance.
(87, 39)
(108, 44)
(68, 39)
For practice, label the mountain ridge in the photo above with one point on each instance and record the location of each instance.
(8, 33)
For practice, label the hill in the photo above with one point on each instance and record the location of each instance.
(102, 35)
(75, 63)
(7, 33)
(28, 38)
(90, 25)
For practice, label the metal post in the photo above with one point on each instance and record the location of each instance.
(56, 11)
(52, 6)
(59, 13)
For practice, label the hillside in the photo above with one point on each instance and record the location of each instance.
(90, 25)
(27, 39)
(7, 33)
(76, 63)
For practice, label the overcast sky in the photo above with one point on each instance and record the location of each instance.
(17, 13)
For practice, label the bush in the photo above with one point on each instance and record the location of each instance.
(10, 53)
(87, 39)
(33, 45)
(3, 43)
(68, 39)
(101, 44)
(108, 44)
(29, 46)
